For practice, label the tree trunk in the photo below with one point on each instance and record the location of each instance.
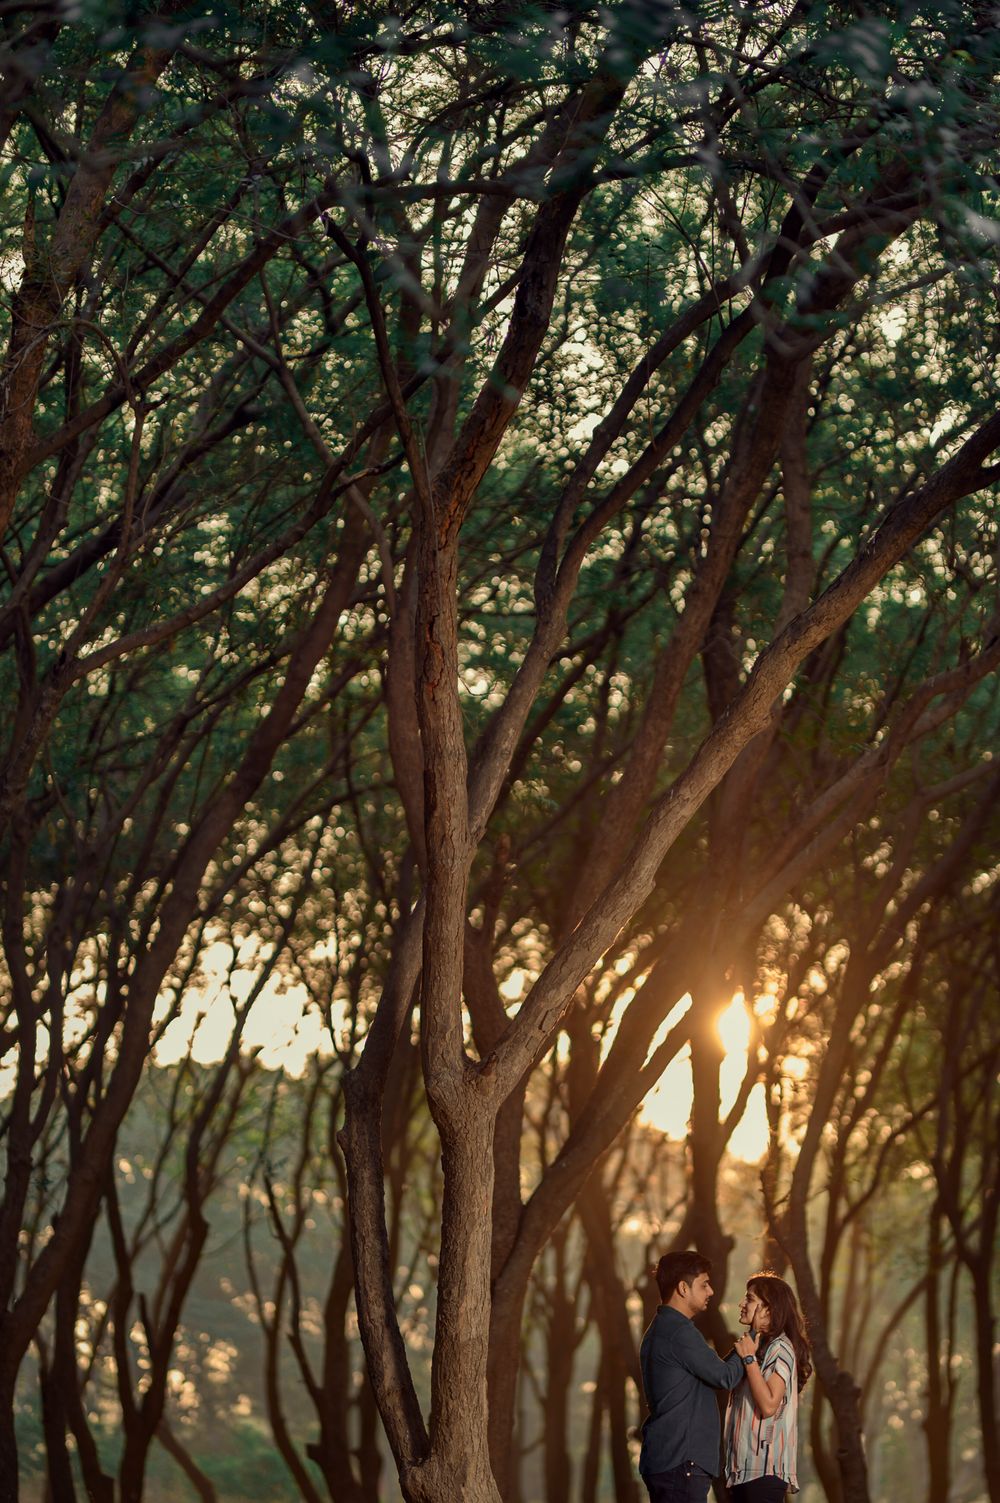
(458, 1465)
(619, 1359)
(452, 1461)
(58, 1467)
(504, 1359)
(937, 1419)
(701, 1228)
(986, 1378)
(823, 1458)
(592, 1454)
(369, 1455)
(8, 1439)
(560, 1353)
(837, 1384)
(850, 1441)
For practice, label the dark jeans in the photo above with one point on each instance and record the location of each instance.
(760, 1490)
(682, 1484)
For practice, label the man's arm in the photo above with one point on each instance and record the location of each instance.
(694, 1353)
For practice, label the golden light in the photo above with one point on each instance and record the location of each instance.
(733, 1027)
(287, 1032)
(750, 1137)
(281, 1026)
(668, 1105)
(766, 1006)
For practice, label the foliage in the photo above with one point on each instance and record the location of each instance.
(498, 528)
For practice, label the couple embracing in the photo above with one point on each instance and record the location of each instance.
(681, 1374)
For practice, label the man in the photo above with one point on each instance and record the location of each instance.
(680, 1373)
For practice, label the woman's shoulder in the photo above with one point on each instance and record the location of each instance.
(780, 1349)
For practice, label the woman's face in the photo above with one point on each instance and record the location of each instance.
(754, 1313)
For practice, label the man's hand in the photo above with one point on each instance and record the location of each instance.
(747, 1344)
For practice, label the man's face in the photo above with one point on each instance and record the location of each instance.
(699, 1293)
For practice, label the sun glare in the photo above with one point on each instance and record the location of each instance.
(733, 1027)
(667, 1107)
(281, 1026)
(286, 1032)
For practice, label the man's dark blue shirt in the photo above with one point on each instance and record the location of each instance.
(680, 1373)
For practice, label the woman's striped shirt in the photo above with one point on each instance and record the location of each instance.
(758, 1446)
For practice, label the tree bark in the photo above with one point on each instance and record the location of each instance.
(619, 1358)
(560, 1344)
(938, 1417)
(986, 1384)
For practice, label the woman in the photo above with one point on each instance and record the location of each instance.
(762, 1417)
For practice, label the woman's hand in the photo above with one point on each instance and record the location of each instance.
(768, 1393)
(747, 1344)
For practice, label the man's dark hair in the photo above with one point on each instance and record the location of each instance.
(679, 1268)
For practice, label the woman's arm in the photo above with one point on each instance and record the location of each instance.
(768, 1393)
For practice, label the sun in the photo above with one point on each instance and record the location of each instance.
(733, 1026)
(668, 1105)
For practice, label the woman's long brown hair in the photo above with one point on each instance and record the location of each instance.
(786, 1319)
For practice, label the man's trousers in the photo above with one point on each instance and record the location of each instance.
(688, 1483)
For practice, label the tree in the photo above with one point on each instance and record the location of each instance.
(466, 1095)
(861, 963)
(514, 353)
(965, 1164)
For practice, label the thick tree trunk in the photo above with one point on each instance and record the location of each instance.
(8, 1437)
(458, 1465)
(504, 1359)
(450, 1461)
(850, 1440)
(850, 1484)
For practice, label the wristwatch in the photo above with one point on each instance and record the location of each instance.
(749, 1361)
